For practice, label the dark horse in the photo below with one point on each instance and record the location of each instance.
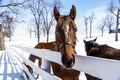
(103, 51)
(65, 43)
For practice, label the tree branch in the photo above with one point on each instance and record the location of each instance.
(12, 10)
(14, 4)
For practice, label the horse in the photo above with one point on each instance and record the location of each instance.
(42, 45)
(65, 41)
(103, 51)
(65, 37)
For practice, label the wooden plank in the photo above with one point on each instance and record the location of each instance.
(43, 53)
(45, 75)
(105, 69)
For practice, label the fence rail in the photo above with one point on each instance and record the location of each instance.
(45, 75)
(105, 69)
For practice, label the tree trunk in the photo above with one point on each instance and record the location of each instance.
(2, 45)
(30, 34)
(9, 31)
(90, 29)
(35, 34)
(117, 24)
(38, 33)
(86, 32)
(109, 29)
(47, 36)
(102, 32)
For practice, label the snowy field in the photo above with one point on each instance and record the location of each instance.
(9, 69)
(27, 42)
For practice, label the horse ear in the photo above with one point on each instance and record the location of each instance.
(56, 13)
(95, 39)
(84, 41)
(73, 12)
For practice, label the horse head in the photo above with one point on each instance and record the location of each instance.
(66, 36)
(89, 44)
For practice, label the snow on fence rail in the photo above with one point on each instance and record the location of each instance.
(105, 69)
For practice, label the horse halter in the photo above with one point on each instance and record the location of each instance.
(66, 35)
(69, 43)
(64, 43)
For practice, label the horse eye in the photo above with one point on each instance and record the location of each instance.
(75, 29)
(73, 26)
(59, 30)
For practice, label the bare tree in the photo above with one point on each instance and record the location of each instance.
(102, 26)
(36, 7)
(109, 22)
(112, 8)
(29, 28)
(91, 18)
(48, 17)
(58, 4)
(9, 7)
(86, 25)
(13, 5)
(9, 28)
(47, 23)
(7, 22)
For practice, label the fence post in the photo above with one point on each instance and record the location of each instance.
(46, 65)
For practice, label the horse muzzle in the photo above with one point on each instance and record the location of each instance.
(68, 63)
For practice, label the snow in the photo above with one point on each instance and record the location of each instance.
(10, 71)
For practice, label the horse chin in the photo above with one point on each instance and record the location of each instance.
(68, 63)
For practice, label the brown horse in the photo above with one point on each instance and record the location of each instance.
(42, 45)
(65, 44)
(104, 51)
(65, 41)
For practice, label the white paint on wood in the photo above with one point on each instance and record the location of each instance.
(105, 69)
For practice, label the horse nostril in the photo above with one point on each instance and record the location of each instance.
(68, 63)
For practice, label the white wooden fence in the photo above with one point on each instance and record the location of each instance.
(105, 69)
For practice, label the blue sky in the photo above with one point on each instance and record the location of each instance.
(86, 8)
(83, 6)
